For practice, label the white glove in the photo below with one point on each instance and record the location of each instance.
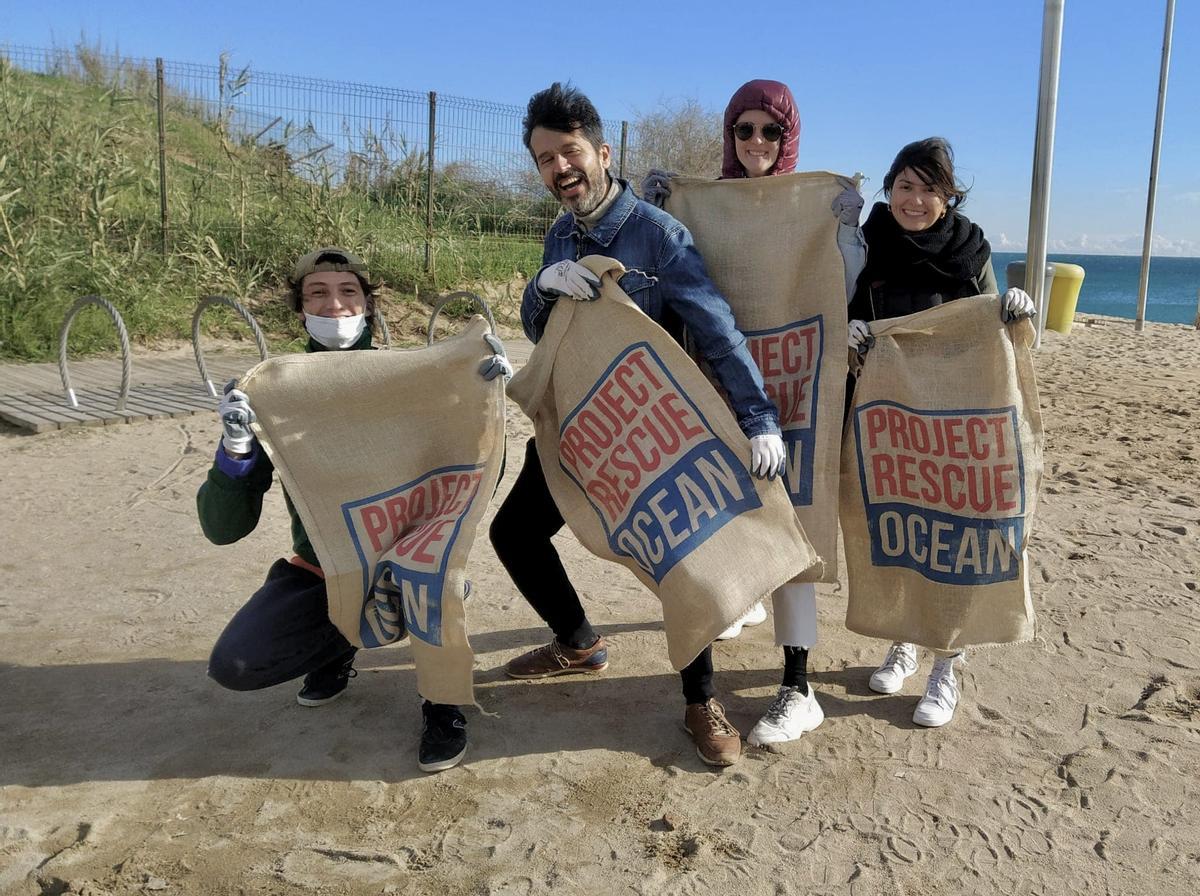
(497, 364)
(860, 339)
(656, 187)
(766, 456)
(847, 205)
(236, 416)
(569, 278)
(1016, 304)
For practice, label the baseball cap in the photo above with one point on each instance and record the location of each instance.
(329, 258)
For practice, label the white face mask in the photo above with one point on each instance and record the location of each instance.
(335, 332)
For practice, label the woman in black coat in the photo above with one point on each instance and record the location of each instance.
(922, 252)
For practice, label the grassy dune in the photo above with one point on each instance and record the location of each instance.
(79, 214)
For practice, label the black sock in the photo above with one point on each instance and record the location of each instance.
(795, 668)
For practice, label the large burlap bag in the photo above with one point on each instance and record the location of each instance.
(649, 468)
(770, 245)
(940, 477)
(390, 458)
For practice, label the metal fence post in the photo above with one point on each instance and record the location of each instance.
(429, 183)
(162, 154)
(624, 144)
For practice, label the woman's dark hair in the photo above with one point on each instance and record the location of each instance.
(933, 160)
(370, 290)
(565, 109)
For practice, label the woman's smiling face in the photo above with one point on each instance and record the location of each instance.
(757, 155)
(915, 204)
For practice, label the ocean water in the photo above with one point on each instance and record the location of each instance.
(1110, 285)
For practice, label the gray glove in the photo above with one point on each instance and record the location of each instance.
(860, 339)
(569, 278)
(1016, 304)
(497, 364)
(767, 455)
(236, 416)
(656, 187)
(847, 205)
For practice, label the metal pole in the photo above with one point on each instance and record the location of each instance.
(1139, 322)
(429, 184)
(162, 154)
(1043, 161)
(624, 145)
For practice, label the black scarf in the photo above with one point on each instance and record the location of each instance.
(951, 252)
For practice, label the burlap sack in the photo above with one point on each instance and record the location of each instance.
(390, 458)
(940, 477)
(649, 468)
(770, 245)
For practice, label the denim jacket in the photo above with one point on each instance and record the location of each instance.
(665, 275)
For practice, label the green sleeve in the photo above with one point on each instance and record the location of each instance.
(229, 507)
(987, 279)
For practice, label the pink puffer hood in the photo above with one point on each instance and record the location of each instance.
(774, 98)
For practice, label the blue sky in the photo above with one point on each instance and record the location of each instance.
(868, 77)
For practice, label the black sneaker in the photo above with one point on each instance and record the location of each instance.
(443, 737)
(328, 682)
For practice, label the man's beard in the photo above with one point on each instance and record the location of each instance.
(597, 190)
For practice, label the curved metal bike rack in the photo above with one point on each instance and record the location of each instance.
(208, 302)
(454, 297)
(126, 358)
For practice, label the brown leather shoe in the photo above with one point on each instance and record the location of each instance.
(717, 742)
(558, 659)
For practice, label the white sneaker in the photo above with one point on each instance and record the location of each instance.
(790, 714)
(936, 708)
(756, 615)
(900, 662)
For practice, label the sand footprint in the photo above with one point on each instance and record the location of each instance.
(1174, 528)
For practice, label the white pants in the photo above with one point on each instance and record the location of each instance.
(795, 606)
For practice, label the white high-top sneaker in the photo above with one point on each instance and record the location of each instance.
(790, 715)
(900, 662)
(754, 616)
(936, 708)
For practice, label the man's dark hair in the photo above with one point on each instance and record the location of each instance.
(565, 109)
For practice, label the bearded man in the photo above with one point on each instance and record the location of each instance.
(665, 277)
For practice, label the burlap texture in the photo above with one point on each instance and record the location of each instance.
(940, 478)
(649, 468)
(770, 245)
(390, 458)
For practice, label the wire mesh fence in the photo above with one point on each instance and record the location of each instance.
(441, 186)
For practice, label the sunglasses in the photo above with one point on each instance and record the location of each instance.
(770, 132)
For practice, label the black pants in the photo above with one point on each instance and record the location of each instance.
(281, 633)
(521, 533)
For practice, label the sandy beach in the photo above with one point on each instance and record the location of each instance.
(1071, 767)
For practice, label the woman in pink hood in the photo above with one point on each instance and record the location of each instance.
(762, 138)
(762, 131)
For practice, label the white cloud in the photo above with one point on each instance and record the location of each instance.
(1107, 244)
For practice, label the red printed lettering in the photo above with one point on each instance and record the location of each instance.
(633, 425)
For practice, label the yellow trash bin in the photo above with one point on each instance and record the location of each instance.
(1064, 295)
